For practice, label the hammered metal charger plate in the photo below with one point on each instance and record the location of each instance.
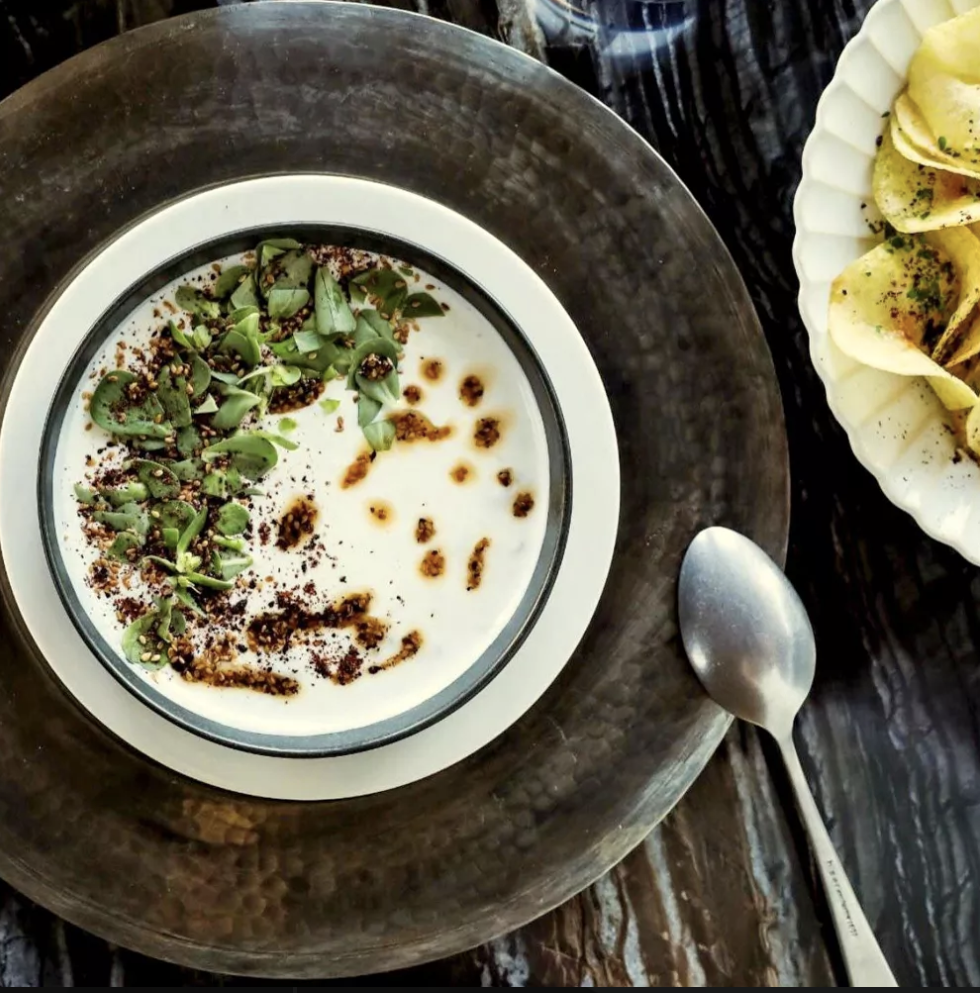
(176, 869)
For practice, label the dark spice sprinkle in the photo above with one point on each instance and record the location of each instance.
(487, 432)
(297, 523)
(433, 564)
(476, 565)
(471, 390)
(523, 504)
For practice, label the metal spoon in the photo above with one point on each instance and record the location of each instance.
(750, 642)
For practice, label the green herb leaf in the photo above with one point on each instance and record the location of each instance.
(149, 444)
(287, 424)
(325, 354)
(422, 305)
(333, 314)
(179, 623)
(285, 302)
(85, 495)
(202, 337)
(187, 562)
(242, 345)
(164, 619)
(380, 435)
(175, 514)
(308, 341)
(365, 331)
(173, 395)
(374, 346)
(243, 340)
(386, 287)
(164, 564)
(208, 407)
(233, 518)
(232, 544)
(129, 493)
(112, 410)
(230, 566)
(209, 582)
(367, 410)
(197, 302)
(236, 405)
(285, 375)
(252, 455)
(378, 325)
(200, 375)
(225, 377)
(161, 482)
(186, 470)
(178, 335)
(381, 390)
(170, 538)
(215, 484)
(277, 439)
(140, 646)
(183, 597)
(240, 314)
(942, 143)
(229, 279)
(123, 542)
(273, 247)
(192, 530)
(294, 269)
(245, 295)
(129, 517)
(329, 406)
(189, 441)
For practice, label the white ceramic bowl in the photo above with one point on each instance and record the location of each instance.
(593, 478)
(896, 425)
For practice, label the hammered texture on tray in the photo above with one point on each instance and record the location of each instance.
(156, 862)
(896, 426)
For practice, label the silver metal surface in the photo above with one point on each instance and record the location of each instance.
(749, 639)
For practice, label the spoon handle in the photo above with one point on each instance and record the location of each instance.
(865, 962)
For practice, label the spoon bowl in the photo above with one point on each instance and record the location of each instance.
(745, 630)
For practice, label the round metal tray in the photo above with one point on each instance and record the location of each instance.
(176, 869)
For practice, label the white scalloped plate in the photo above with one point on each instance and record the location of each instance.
(896, 425)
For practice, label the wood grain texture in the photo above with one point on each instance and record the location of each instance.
(726, 89)
(727, 92)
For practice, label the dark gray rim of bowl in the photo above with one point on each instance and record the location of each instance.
(504, 646)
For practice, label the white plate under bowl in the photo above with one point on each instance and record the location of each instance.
(895, 424)
(292, 201)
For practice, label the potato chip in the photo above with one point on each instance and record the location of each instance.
(896, 306)
(958, 249)
(943, 84)
(913, 197)
(912, 138)
(971, 430)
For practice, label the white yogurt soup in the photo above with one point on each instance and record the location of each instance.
(360, 583)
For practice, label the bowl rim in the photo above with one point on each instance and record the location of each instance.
(468, 683)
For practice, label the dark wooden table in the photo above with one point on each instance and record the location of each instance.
(722, 893)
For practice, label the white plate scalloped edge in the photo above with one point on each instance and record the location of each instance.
(896, 426)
